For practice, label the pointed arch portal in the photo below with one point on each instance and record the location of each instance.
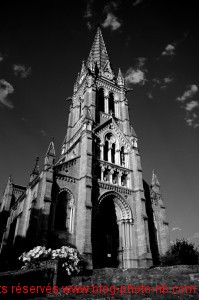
(112, 235)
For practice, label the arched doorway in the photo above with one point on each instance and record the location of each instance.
(111, 231)
(106, 236)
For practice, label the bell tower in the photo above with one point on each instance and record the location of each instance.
(93, 197)
(100, 169)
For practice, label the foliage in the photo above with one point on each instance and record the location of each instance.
(69, 258)
(181, 252)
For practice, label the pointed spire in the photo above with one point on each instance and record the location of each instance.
(36, 169)
(98, 53)
(49, 159)
(120, 78)
(83, 69)
(51, 149)
(154, 181)
(10, 180)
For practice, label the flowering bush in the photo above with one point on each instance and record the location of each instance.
(69, 258)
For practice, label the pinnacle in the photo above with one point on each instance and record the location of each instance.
(51, 149)
(36, 167)
(154, 181)
(98, 53)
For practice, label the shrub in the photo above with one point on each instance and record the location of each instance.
(69, 258)
(180, 253)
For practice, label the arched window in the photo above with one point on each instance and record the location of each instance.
(106, 150)
(122, 157)
(100, 100)
(113, 153)
(97, 148)
(64, 212)
(111, 103)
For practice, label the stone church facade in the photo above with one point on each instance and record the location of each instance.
(94, 196)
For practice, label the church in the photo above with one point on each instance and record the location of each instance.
(93, 196)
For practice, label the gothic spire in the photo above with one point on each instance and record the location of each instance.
(35, 171)
(154, 181)
(36, 167)
(51, 149)
(120, 78)
(98, 54)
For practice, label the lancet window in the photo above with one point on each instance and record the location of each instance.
(111, 104)
(100, 100)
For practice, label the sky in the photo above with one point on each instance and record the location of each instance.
(156, 45)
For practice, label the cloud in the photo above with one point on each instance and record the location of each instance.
(135, 76)
(112, 22)
(89, 11)
(21, 70)
(149, 94)
(192, 120)
(191, 105)
(137, 2)
(168, 79)
(5, 89)
(196, 235)
(169, 50)
(188, 93)
(43, 132)
(1, 57)
(176, 228)
(166, 82)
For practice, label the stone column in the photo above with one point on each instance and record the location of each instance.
(102, 151)
(117, 157)
(109, 151)
(102, 172)
(111, 171)
(119, 178)
(106, 102)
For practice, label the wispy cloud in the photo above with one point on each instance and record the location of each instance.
(43, 132)
(189, 93)
(1, 57)
(5, 89)
(196, 235)
(166, 81)
(190, 106)
(137, 74)
(176, 228)
(89, 11)
(21, 70)
(137, 2)
(149, 94)
(192, 119)
(169, 50)
(112, 22)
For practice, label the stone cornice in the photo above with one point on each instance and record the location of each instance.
(115, 188)
(65, 178)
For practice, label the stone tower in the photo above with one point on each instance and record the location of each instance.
(93, 196)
